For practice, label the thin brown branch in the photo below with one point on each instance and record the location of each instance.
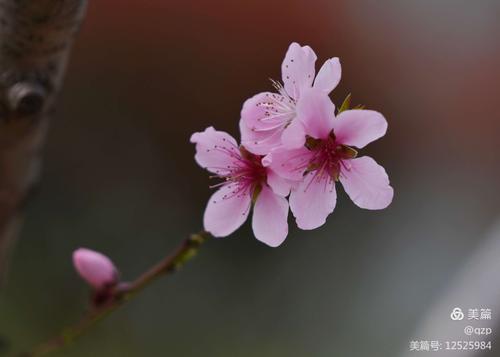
(35, 41)
(123, 293)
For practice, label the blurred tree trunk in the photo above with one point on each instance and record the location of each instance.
(35, 40)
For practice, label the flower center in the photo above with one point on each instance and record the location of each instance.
(279, 108)
(252, 170)
(245, 176)
(329, 156)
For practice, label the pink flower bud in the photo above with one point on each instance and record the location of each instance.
(95, 268)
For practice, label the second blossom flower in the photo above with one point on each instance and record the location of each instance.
(271, 119)
(244, 182)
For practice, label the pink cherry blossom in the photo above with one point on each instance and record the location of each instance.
(244, 181)
(95, 268)
(328, 156)
(269, 119)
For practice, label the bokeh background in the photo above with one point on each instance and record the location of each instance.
(119, 177)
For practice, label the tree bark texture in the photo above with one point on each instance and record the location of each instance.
(35, 41)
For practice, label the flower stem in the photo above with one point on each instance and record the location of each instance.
(170, 264)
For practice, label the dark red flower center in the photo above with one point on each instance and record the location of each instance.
(328, 156)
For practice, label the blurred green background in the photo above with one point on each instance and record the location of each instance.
(119, 177)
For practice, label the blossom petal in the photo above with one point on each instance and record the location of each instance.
(297, 69)
(294, 135)
(226, 210)
(215, 150)
(359, 127)
(289, 163)
(259, 142)
(313, 200)
(267, 111)
(317, 112)
(366, 183)
(269, 222)
(279, 185)
(329, 75)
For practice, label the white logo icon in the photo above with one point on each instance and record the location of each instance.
(457, 314)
